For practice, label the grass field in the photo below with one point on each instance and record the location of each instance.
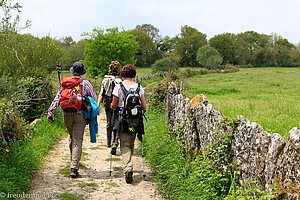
(268, 96)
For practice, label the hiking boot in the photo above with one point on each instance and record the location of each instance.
(74, 173)
(128, 176)
(114, 149)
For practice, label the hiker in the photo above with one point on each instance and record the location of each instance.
(127, 133)
(72, 111)
(108, 84)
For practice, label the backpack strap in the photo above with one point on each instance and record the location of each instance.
(83, 86)
(138, 88)
(123, 89)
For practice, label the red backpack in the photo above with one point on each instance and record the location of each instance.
(71, 93)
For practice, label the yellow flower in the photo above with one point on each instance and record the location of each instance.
(7, 150)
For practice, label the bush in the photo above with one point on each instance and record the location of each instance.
(230, 68)
(26, 55)
(35, 96)
(209, 57)
(164, 65)
(32, 95)
(103, 47)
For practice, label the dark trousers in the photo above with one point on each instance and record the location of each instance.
(111, 116)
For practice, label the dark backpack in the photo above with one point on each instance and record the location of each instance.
(107, 99)
(132, 108)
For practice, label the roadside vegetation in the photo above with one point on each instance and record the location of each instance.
(23, 158)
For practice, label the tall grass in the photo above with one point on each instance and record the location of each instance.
(268, 96)
(176, 177)
(24, 158)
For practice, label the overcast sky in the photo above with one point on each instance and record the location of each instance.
(60, 18)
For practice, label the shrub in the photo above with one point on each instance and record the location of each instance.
(164, 65)
(26, 55)
(36, 94)
(209, 57)
(230, 68)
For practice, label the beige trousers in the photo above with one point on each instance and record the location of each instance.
(75, 125)
(127, 147)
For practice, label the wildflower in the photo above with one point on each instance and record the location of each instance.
(7, 150)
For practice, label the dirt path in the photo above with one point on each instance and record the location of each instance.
(94, 182)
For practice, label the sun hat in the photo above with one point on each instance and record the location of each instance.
(78, 68)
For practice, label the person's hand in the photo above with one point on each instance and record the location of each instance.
(50, 118)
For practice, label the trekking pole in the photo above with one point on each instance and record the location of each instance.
(111, 141)
(58, 68)
(144, 174)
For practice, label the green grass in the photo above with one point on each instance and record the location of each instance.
(65, 171)
(24, 159)
(113, 159)
(267, 96)
(92, 184)
(140, 71)
(68, 196)
(176, 177)
(117, 168)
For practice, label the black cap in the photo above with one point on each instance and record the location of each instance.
(78, 68)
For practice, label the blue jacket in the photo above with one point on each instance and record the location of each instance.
(91, 117)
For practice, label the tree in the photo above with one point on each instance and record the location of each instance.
(146, 50)
(105, 46)
(72, 52)
(168, 44)
(188, 43)
(209, 57)
(264, 57)
(225, 44)
(286, 43)
(67, 41)
(152, 32)
(8, 23)
(282, 56)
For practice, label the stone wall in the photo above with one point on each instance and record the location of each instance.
(262, 158)
(149, 76)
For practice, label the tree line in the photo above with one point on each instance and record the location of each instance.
(26, 60)
(144, 47)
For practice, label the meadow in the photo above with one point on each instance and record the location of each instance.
(268, 96)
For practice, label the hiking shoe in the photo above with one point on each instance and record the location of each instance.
(74, 173)
(128, 176)
(114, 150)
